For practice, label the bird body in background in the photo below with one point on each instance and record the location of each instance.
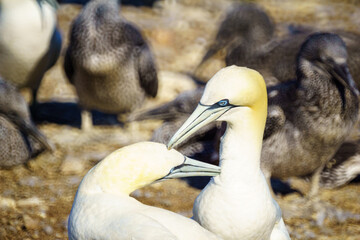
(19, 137)
(30, 43)
(278, 64)
(108, 61)
(247, 34)
(103, 209)
(313, 114)
(343, 167)
(237, 204)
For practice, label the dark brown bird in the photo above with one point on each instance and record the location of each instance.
(19, 137)
(108, 61)
(314, 113)
(245, 33)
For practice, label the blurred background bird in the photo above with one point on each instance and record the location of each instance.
(319, 110)
(108, 61)
(19, 139)
(247, 35)
(30, 41)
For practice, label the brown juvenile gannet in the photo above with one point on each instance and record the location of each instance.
(237, 204)
(103, 209)
(19, 137)
(30, 42)
(313, 114)
(108, 61)
(246, 31)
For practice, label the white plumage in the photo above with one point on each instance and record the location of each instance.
(237, 204)
(103, 209)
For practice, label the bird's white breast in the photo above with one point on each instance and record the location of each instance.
(25, 34)
(244, 211)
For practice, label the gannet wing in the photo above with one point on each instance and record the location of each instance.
(147, 71)
(275, 120)
(279, 102)
(144, 59)
(54, 49)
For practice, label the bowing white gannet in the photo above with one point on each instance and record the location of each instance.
(237, 204)
(103, 209)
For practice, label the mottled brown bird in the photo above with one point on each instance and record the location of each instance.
(108, 61)
(19, 137)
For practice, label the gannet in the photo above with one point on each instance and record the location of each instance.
(19, 137)
(313, 114)
(108, 61)
(103, 209)
(30, 43)
(237, 204)
(245, 32)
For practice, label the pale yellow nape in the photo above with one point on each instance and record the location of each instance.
(130, 168)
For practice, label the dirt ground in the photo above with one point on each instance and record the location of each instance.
(35, 199)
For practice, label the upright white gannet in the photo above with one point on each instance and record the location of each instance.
(237, 204)
(108, 61)
(30, 43)
(102, 208)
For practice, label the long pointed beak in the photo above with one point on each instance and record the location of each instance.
(199, 118)
(191, 168)
(343, 75)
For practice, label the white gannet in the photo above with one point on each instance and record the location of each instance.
(30, 42)
(237, 204)
(103, 209)
(108, 61)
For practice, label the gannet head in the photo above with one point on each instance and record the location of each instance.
(231, 90)
(326, 54)
(140, 164)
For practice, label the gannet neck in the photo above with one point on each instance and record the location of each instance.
(138, 165)
(240, 148)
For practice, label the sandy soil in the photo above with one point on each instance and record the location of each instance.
(35, 199)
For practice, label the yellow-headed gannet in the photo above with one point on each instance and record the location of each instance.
(103, 209)
(237, 204)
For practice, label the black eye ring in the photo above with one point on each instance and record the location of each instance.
(223, 103)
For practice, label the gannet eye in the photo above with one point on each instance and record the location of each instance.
(223, 103)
